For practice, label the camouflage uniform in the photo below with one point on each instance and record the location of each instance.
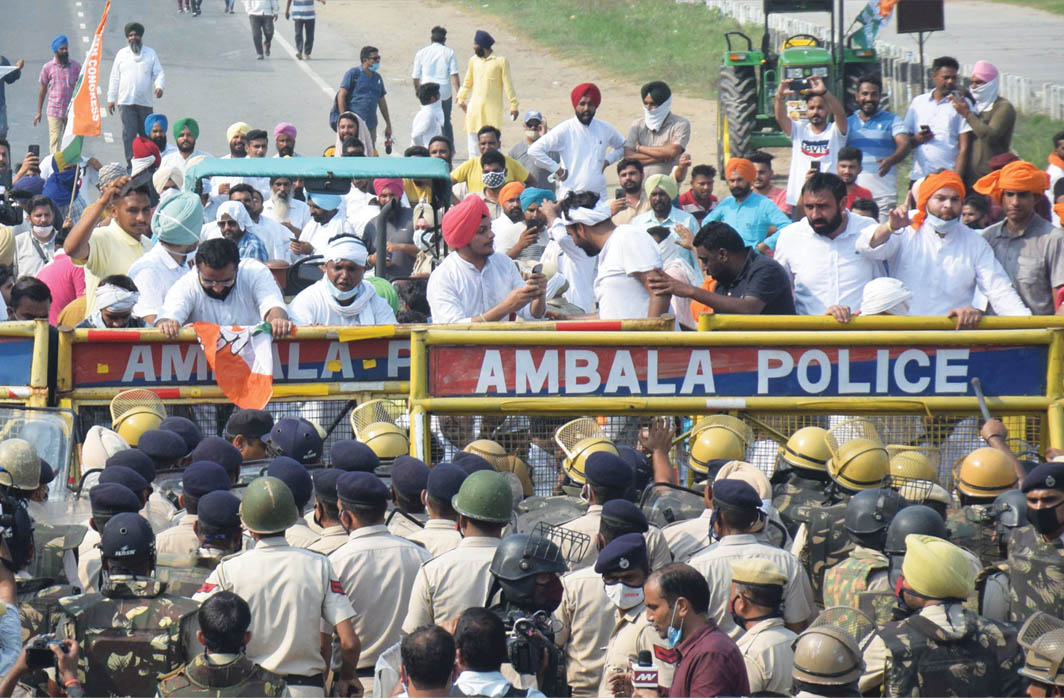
(864, 570)
(794, 493)
(238, 677)
(38, 605)
(1036, 575)
(969, 527)
(826, 542)
(878, 606)
(130, 633)
(924, 660)
(185, 574)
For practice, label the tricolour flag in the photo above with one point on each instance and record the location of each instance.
(874, 15)
(85, 110)
(242, 361)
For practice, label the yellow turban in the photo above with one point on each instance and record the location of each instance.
(236, 128)
(935, 568)
(1017, 176)
(664, 182)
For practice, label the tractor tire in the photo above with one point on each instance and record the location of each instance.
(736, 111)
(855, 73)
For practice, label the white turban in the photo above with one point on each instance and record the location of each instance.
(885, 294)
(588, 217)
(346, 248)
(237, 212)
(424, 210)
(115, 299)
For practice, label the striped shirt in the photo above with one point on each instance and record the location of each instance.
(302, 9)
(60, 81)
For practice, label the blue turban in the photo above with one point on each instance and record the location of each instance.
(59, 187)
(535, 195)
(59, 42)
(483, 39)
(153, 119)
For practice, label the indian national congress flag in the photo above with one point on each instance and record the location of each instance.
(874, 15)
(84, 113)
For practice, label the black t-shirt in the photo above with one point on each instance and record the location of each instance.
(762, 278)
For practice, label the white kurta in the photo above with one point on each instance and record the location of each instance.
(254, 294)
(458, 291)
(155, 273)
(628, 251)
(584, 151)
(315, 306)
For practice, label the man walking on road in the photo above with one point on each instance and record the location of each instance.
(362, 92)
(7, 79)
(487, 79)
(304, 16)
(262, 14)
(58, 78)
(436, 63)
(135, 75)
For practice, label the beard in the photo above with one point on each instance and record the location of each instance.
(280, 206)
(215, 294)
(286, 151)
(160, 142)
(740, 192)
(63, 58)
(825, 227)
(585, 117)
(186, 147)
(515, 215)
(323, 218)
(631, 186)
(134, 46)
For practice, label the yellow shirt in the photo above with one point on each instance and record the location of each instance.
(486, 80)
(469, 172)
(111, 252)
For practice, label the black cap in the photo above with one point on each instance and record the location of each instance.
(471, 462)
(249, 422)
(325, 484)
(200, 478)
(163, 446)
(127, 535)
(354, 456)
(108, 499)
(219, 510)
(361, 488)
(444, 481)
(136, 460)
(621, 514)
(736, 493)
(1049, 475)
(47, 473)
(295, 476)
(217, 450)
(409, 476)
(609, 470)
(125, 476)
(188, 430)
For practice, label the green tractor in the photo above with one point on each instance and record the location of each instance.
(749, 78)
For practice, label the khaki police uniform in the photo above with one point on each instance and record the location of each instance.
(438, 536)
(630, 635)
(688, 536)
(715, 564)
(657, 547)
(331, 539)
(585, 625)
(89, 563)
(300, 535)
(448, 584)
(159, 512)
(403, 524)
(179, 540)
(291, 591)
(309, 520)
(766, 648)
(377, 571)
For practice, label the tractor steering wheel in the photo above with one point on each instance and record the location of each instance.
(816, 41)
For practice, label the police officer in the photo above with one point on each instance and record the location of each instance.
(455, 580)
(354, 456)
(409, 477)
(755, 606)
(296, 477)
(983, 475)
(218, 534)
(827, 663)
(89, 561)
(584, 627)
(198, 479)
(771, 530)
(716, 440)
(801, 475)
(941, 648)
(609, 477)
(246, 429)
(736, 511)
(167, 451)
(440, 533)
(375, 568)
(327, 512)
(223, 669)
(296, 438)
(685, 537)
(868, 515)
(159, 510)
(184, 427)
(131, 632)
(217, 450)
(1036, 565)
(624, 569)
(288, 588)
(1043, 664)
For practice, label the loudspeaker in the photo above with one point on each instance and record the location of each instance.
(920, 16)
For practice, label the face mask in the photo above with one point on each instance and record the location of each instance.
(493, 181)
(374, 67)
(532, 134)
(902, 610)
(624, 596)
(1044, 520)
(741, 621)
(940, 225)
(338, 294)
(673, 634)
(43, 232)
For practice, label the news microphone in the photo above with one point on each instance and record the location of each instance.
(644, 672)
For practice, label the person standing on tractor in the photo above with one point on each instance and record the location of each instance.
(814, 145)
(941, 138)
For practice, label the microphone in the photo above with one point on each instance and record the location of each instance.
(644, 672)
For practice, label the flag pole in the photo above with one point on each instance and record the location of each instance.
(74, 188)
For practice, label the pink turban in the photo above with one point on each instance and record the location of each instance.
(388, 183)
(589, 89)
(985, 71)
(461, 221)
(284, 128)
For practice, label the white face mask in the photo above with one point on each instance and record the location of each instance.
(941, 225)
(43, 232)
(624, 596)
(339, 294)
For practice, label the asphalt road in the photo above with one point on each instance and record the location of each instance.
(212, 73)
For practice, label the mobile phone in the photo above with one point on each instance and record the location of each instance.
(815, 165)
(537, 268)
(35, 149)
(618, 193)
(925, 127)
(799, 85)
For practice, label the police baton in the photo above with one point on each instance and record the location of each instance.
(977, 387)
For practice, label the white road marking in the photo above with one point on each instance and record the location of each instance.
(85, 39)
(291, 51)
(82, 26)
(80, 14)
(108, 138)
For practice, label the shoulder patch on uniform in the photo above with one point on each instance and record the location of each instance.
(207, 588)
(336, 587)
(669, 656)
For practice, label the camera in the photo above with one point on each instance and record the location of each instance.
(10, 210)
(528, 637)
(799, 85)
(39, 652)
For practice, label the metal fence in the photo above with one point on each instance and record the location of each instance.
(900, 66)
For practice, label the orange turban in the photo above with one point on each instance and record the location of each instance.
(1059, 209)
(461, 221)
(589, 89)
(1017, 176)
(745, 168)
(510, 190)
(931, 184)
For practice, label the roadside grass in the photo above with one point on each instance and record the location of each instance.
(1054, 6)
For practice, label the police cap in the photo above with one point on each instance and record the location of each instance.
(1049, 475)
(354, 456)
(135, 459)
(163, 446)
(188, 431)
(607, 469)
(409, 476)
(761, 572)
(217, 450)
(47, 473)
(361, 488)
(219, 510)
(471, 463)
(622, 514)
(111, 498)
(249, 422)
(325, 484)
(125, 476)
(295, 476)
(200, 478)
(127, 535)
(736, 493)
(623, 554)
(444, 481)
